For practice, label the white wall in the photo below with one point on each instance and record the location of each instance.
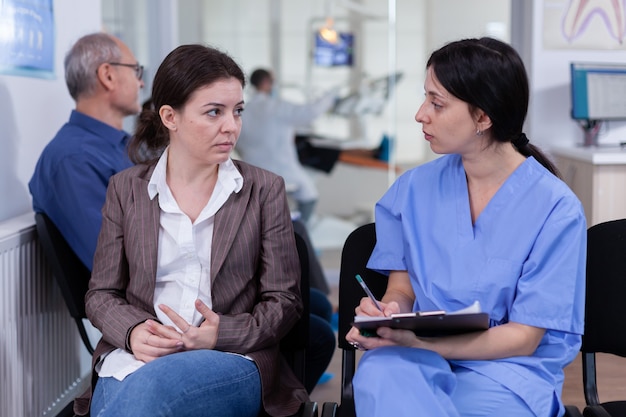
(149, 28)
(456, 19)
(33, 109)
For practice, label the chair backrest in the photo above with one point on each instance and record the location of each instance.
(356, 252)
(317, 278)
(605, 288)
(605, 308)
(70, 273)
(293, 345)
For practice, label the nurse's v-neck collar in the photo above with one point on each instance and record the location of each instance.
(467, 228)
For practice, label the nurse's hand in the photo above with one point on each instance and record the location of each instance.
(385, 336)
(367, 308)
(397, 337)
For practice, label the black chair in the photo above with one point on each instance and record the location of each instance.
(293, 346)
(73, 278)
(356, 252)
(605, 309)
(70, 273)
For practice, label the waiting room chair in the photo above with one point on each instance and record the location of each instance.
(293, 345)
(354, 256)
(356, 252)
(605, 310)
(73, 278)
(70, 273)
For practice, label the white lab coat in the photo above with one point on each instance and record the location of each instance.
(267, 138)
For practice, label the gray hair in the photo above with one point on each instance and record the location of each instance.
(84, 58)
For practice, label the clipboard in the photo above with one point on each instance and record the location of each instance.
(426, 324)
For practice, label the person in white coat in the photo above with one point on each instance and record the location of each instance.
(267, 137)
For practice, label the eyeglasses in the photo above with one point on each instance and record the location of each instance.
(138, 68)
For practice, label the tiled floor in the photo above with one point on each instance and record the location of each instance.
(611, 369)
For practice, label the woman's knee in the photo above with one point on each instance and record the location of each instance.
(403, 365)
(383, 375)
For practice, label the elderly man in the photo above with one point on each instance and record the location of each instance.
(71, 177)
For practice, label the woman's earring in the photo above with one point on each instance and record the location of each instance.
(479, 132)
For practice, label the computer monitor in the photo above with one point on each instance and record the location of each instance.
(598, 91)
(333, 54)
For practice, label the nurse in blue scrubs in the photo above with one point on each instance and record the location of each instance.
(491, 221)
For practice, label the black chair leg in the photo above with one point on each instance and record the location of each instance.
(308, 409)
(329, 409)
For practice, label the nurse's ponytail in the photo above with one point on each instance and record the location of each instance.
(523, 146)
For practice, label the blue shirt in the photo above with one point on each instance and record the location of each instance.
(523, 260)
(71, 177)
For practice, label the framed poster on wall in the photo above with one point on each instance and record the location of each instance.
(27, 38)
(584, 24)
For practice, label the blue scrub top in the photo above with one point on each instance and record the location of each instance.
(523, 260)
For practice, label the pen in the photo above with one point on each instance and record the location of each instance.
(368, 292)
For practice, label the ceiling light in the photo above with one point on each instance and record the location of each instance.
(328, 33)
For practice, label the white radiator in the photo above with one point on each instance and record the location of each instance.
(41, 363)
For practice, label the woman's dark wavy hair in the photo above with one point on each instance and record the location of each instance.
(489, 74)
(183, 71)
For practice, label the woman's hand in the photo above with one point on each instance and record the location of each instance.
(151, 340)
(398, 298)
(367, 308)
(385, 336)
(202, 337)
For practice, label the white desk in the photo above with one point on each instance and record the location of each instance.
(598, 177)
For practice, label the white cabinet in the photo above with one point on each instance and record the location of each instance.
(598, 177)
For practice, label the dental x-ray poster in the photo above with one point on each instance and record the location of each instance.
(27, 38)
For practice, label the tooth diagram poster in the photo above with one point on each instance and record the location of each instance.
(584, 24)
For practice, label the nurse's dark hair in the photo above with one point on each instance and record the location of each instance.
(183, 71)
(489, 74)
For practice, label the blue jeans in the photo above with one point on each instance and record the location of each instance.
(196, 383)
